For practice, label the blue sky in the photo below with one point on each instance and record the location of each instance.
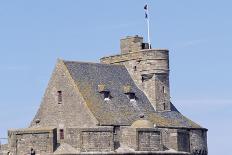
(33, 34)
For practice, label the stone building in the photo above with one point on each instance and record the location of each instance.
(118, 106)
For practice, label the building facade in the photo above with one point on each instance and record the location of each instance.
(118, 106)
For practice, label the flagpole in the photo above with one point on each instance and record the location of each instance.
(148, 30)
(148, 26)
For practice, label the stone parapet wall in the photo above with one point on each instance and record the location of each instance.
(43, 141)
(142, 139)
(4, 147)
(91, 139)
(179, 140)
(131, 153)
(187, 140)
(198, 142)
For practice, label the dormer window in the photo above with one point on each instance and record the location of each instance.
(104, 91)
(129, 92)
(106, 95)
(132, 97)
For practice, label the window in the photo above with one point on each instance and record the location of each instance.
(164, 106)
(132, 97)
(59, 97)
(106, 96)
(146, 77)
(135, 68)
(164, 90)
(61, 133)
(143, 79)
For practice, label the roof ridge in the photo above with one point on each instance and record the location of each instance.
(94, 63)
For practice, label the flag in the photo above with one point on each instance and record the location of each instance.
(145, 7)
(146, 16)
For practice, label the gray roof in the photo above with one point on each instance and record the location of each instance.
(118, 110)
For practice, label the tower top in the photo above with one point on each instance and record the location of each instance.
(132, 44)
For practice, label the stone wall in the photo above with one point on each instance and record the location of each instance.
(179, 140)
(142, 139)
(149, 140)
(198, 142)
(129, 138)
(4, 149)
(91, 139)
(62, 105)
(43, 141)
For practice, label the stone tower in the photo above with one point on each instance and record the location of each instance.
(149, 68)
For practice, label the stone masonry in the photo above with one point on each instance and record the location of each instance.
(118, 106)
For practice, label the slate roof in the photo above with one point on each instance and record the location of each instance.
(118, 110)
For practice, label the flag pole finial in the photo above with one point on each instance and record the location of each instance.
(148, 24)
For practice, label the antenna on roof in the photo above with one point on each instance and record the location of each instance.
(148, 25)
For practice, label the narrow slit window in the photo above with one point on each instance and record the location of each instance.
(59, 95)
(135, 68)
(164, 89)
(61, 133)
(164, 106)
(142, 79)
